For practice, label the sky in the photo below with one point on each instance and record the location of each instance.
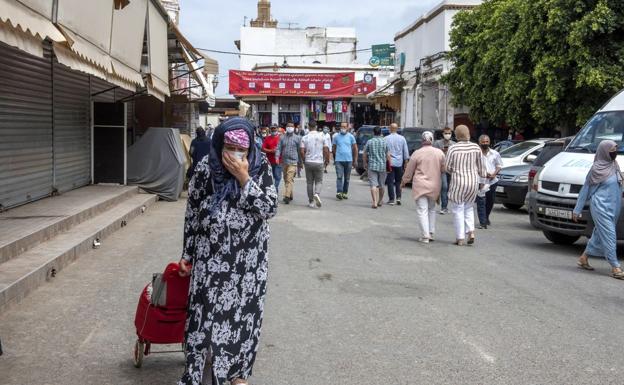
(215, 24)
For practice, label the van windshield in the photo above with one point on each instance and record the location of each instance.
(602, 126)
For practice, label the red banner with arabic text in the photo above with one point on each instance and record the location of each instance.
(251, 83)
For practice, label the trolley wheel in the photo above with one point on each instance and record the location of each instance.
(138, 353)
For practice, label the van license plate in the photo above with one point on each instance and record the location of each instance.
(565, 214)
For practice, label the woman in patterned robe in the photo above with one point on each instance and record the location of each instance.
(226, 235)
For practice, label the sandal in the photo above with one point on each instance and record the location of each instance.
(584, 266)
(460, 242)
(373, 207)
(618, 274)
(471, 240)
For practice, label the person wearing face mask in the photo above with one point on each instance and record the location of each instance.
(345, 151)
(493, 164)
(399, 154)
(269, 147)
(444, 144)
(288, 153)
(603, 188)
(231, 199)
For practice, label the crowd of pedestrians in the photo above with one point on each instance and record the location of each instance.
(453, 174)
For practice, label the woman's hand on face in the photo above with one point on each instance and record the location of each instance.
(238, 168)
(185, 268)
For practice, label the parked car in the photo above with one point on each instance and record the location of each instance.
(363, 135)
(550, 150)
(513, 186)
(561, 179)
(524, 152)
(413, 136)
(504, 144)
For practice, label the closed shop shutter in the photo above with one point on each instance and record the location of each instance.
(26, 157)
(72, 131)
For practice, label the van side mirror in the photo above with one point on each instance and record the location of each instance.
(530, 158)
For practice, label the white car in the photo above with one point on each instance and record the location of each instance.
(522, 153)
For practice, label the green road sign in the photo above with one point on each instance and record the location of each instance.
(385, 54)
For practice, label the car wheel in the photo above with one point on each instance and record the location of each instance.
(511, 206)
(560, 239)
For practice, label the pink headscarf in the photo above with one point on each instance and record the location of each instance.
(237, 138)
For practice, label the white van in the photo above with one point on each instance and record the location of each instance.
(556, 187)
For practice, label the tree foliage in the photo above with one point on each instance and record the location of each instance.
(537, 63)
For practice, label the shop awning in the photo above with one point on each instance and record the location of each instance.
(88, 33)
(386, 90)
(65, 56)
(158, 67)
(108, 42)
(199, 77)
(22, 27)
(128, 32)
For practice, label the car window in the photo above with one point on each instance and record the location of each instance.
(548, 152)
(412, 136)
(602, 126)
(518, 149)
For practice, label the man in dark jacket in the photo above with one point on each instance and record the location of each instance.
(200, 147)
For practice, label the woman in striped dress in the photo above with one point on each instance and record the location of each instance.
(464, 163)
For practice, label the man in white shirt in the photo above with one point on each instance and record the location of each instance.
(493, 164)
(315, 152)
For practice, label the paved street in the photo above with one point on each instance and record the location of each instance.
(353, 299)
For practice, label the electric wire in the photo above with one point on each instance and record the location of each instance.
(283, 55)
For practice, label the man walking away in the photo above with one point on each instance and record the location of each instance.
(315, 153)
(375, 157)
(424, 170)
(444, 144)
(345, 152)
(269, 147)
(399, 155)
(493, 164)
(200, 147)
(288, 153)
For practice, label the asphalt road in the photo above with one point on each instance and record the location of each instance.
(353, 300)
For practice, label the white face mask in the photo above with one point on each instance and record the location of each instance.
(290, 130)
(240, 155)
(447, 136)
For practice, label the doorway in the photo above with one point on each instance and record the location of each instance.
(109, 143)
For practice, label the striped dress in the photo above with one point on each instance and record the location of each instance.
(464, 163)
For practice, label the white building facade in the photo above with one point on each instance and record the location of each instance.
(422, 48)
(305, 50)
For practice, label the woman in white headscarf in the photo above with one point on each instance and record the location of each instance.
(464, 161)
(603, 188)
(424, 171)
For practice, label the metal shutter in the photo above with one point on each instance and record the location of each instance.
(72, 132)
(25, 126)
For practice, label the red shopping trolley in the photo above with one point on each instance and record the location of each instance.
(161, 313)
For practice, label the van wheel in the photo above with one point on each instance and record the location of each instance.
(511, 206)
(560, 239)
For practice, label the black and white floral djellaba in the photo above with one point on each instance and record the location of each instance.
(229, 253)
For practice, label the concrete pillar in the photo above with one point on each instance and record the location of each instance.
(274, 113)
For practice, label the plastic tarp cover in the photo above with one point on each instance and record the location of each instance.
(156, 163)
